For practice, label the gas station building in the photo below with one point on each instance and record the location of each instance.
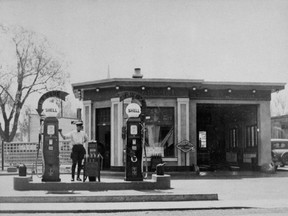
(221, 122)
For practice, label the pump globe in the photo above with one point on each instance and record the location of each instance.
(51, 109)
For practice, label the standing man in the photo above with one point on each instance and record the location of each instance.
(79, 142)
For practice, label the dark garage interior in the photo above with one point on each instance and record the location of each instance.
(223, 128)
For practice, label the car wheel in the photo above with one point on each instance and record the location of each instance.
(284, 158)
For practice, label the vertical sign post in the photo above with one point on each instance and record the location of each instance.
(2, 153)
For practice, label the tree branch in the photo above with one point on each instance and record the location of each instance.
(35, 71)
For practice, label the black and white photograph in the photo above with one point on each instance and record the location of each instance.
(147, 107)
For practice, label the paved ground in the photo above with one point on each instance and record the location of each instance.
(234, 189)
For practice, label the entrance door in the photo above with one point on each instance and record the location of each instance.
(103, 134)
(222, 136)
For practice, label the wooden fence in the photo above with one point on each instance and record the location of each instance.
(16, 153)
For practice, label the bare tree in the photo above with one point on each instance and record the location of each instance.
(279, 105)
(32, 67)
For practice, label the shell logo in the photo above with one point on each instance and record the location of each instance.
(133, 110)
(51, 110)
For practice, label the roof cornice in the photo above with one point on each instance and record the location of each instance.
(177, 83)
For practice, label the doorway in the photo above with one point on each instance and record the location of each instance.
(103, 134)
(221, 128)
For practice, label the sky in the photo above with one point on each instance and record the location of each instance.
(214, 40)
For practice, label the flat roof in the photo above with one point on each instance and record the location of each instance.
(177, 83)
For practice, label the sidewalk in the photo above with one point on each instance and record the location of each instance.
(234, 189)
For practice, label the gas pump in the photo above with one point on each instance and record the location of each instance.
(51, 150)
(50, 137)
(133, 171)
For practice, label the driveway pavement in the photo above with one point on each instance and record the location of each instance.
(234, 189)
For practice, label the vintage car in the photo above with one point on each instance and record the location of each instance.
(279, 149)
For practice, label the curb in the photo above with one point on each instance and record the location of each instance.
(119, 210)
(110, 198)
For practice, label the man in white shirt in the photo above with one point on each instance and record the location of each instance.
(79, 142)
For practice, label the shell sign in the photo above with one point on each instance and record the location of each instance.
(133, 110)
(51, 109)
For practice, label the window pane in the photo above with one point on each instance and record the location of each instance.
(233, 134)
(248, 137)
(160, 130)
(234, 138)
(203, 139)
(252, 137)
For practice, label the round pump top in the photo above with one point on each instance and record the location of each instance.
(133, 110)
(51, 109)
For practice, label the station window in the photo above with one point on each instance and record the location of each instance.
(160, 130)
(233, 136)
(202, 139)
(251, 136)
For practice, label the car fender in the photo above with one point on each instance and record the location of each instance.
(284, 158)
